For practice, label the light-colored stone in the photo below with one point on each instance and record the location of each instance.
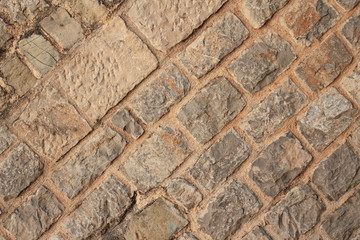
(4, 35)
(258, 233)
(111, 3)
(355, 137)
(348, 4)
(6, 138)
(184, 193)
(125, 121)
(56, 237)
(351, 84)
(315, 237)
(351, 31)
(90, 11)
(187, 236)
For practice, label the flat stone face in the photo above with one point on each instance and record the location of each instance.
(324, 64)
(260, 65)
(90, 11)
(115, 60)
(338, 173)
(103, 206)
(211, 109)
(166, 23)
(220, 160)
(156, 158)
(296, 214)
(184, 193)
(309, 20)
(257, 233)
(351, 31)
(348, 4)
(187, 236)
(326, 119)
(219, 221)
(125, 121)
(50, 124)
(217, 41)
(280, 163)
(160, 220)
(34, 216)
(160, 94)
(89, 161)
(273, 111)
(18, 170)
(351, 84)
(6, 138)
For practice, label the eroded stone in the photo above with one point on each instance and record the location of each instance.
(57, 237)
(6, 138)
(314, 237)
(351, 84)
(258, 233)
(125, 121)
(187, 236)
(90, 11)
(111, 3)
(355, 137)
(348, 4)
(351, 31)
(184, 193)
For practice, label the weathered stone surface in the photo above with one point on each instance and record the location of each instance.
(7, 96)
(50, 124)
(160, 220)
(351, 31)
(344, 223)
(257, 233)
(338, 173)
(355, 137)
(115, 60)
(166, 23)
(103, 206)
(296, 214)
(156, 158)
(6, 138)
(4, 35)
(56, 237)
(3, 238)
(34, 216)
(160, 94)
(65, 30)
(352, 83)
(348, 4)
(111, 3)
(258, 12)
(309, 20)
(314, 237)
(326, 119)
(18, 170)
(220, 160)
(324, 64)
(280, 163)
(89, 161)
(211, 109)
(273, 111)
(217, 41)
(262, 63)
(90, 11)
(187, 236)
(125, 121)
(184, 193)
(227, 211)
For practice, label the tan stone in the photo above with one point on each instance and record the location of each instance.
(90, 11)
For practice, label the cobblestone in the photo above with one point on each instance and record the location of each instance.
(351, 31)
(4, 34)
(187, 236)
(6, 138)
(57, 237)
(348, 4)
(184, 193)
(125, 121)
(257, 233)
(351, 84)
(90, 11)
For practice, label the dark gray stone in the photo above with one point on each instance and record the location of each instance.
(184, 193)
(257, 233)
(351, 31)
(125, 121)
(6, 138)
(348, 4)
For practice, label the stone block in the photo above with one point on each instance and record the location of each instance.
(125, 121)
(348, 4)
(184, 193)
(187, 236)
(4, 34)
(351, 84)
(6, 138)
(351, 31)
(258, 233)
(111, 3)
(90, 11)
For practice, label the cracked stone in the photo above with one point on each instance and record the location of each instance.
(90, 11)
(4, 35)
(217, 41)
(187, 236)
(125, 121)
(6, 138)
(352, 84)
(348, 4)
(262, 63)
(184, 193)
(220, 160)
(258, 233)
(211, 109)
(351, 31)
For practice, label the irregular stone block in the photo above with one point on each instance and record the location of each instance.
(271, 114)
(262, 63)
(352, 83)
(326, 119)
(4, 35)
(187, 236)
(351, 31)
(125, 121)
(184, 193)
(348, 4)
(90, 11)
(258, 233)
(220, 160)
(211, 109)
(6, 138)
(217, 41)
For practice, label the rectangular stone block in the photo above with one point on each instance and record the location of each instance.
(6, 138)
(184, 193)
(351, 30)
(351, 84)
(125, 121)
(348, 4)
(258, 233)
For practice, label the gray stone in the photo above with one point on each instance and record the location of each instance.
(351, 83)
(217, 41)
(6, 138)
(89, 161)
(160, 94)
(90, 11)
(18, 170)
(262, 63)
(351, 31)
(271, 114)
(156, 158)
(326, 119)
(296, 214)
(220, 160)
(184, 193)
(338, 173)
(227, 211)
(34, 216)
(348, 4)
(4, 35)
(125, 121)
(187, 236)
(258, 233)
(280, 163)
(211, 109)
(314, 237)
(355, 137)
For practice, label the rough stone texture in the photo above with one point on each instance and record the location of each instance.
(50, 124)
(4, 35)
(338, 173)
(315, 237)
(348, 4)
(257, 233)
(6, 138)
(211, 109)
(324, 64)
(344, 223)
(125, 121)
(355, 137)
(160, 94)
(7, 96)
(103, 206)
(111, 3)
(160, 220)
(309, 20)
(168, 22)
(18, 170)
(219, 221)
(217, 41)
(90, 11)
(280, 163)
(273, 111)
(326, 119)
(115, 60)
(57, 237)
(220, 160)
(296, 214)
(3, 238)
(258, 12)
(262, 63)
(34, 216)
(65, 30)
(184, 193)
(352, 84)
(351, 31)
(156, 158)
(187, 236)
(89, 161)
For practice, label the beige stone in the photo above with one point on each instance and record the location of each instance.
(90, 11)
